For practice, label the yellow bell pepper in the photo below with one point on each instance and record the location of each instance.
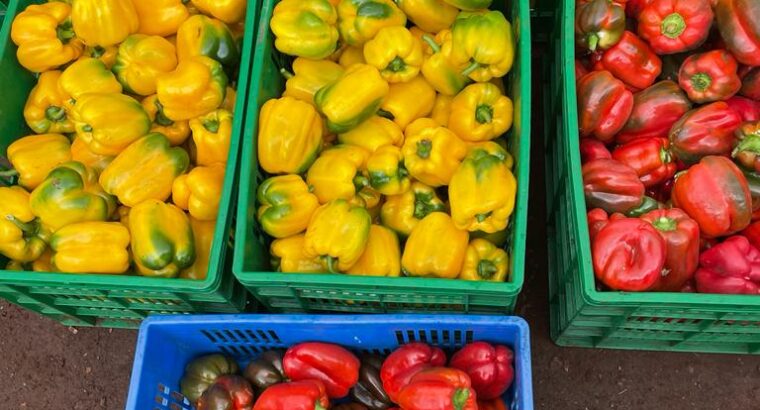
(305, 28)
(435, 248)
(91, 247)
(351, 56)
(335, 175)
(106, 55)
(44, 37)
(230, 97)
(122, 213)
(498, 238)
(374, 133)
(308, 77)
(141, 59)
(437, 69)
(408, 101)
(108, 123)
(162, 239)
(45, 109)
(285, 205)
(381, 256)
(482, 44)
(87, 75)
(352, 98)
(205, 36)
(286, 146)
(203, 235)
(41, 264)
(485, 262)
(369, 199)
(402, 212)
(442, 109)
(104, 22)
(175, 131)
(288, 256)
(229, 11)
(480, 113)
(80, 152)
(34, 156)
(432, 153)
(386, 171)
(337, 234)
(195, 88)
(160, 17)
(212, 134)
(360, 20)
(200, 191)
(145, 170)
(482, 191)
(21, 236)
(396, 53)
(429, 15)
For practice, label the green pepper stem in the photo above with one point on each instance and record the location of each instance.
(360, 182)
(402, 171)
(701, 81)
(97, 51)
(211, 125)
(318, 406)
(749, 144)
(331, 261)
(665, 224)
(55, 114)
(396, 65)
(287, 74)
(673, 25)
(65, 31)
(430, 41)
(486, 269)
(87, 128)
(460, 398)
(8, 173)
(474, 65)
(593, 42)
(28, 228)
(665, 156)
(386, 114)
(484, 114)
(422, 205)
(161, 118)
(482, 217)
(424, 147)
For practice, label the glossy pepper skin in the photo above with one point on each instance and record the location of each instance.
(338, 174)
(747, 151)
(599, 24)
(287, 255)
(405, 362)
(199, 191)
(203, 235)
(21, 237)
(605, 105)
(205, 36)
(161, 17)
(229, 11)
(649, 157)
(470, 4)
(285, 146)
(381, 256)
(369, 389)
(592, 149)
(435, 248)
(731, 267)
(80, 152)
(675, 26)
(450, 387)
(748, 110)
(707, 130)
(305, 28)
(710, 76)
(751, 84)
(106, 55)
(432, 153)
(337, 234)
(438, 69)
(360, 20)
(386, 170)
(611, 185)
(402, 212)
(302, 395)
(285, 205)
(331, 364)
(34, 156)
(176, 131)
(195, 88)
(162, 239)
(408, 101)
(145, 170)
(351, 99)
(45, 37)
(229, 392)
(90, 247)
(484, 262)
(203, 371)
(308, 77)
(104, 22)
(87, 75)
(141, 59)
(442, 109)
(739, 25)
(714, 193)
(70, 194)
(631, 61)
(681, 235)
(489, 367)
(44, 110)
(482, 45)
(374, 133)
(430, 15)
(480, 113)
(266, 370)
(396, 53)
(94, 118)
(655, 110)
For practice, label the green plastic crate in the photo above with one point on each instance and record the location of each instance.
(288, 292)
(580, 314)
(113, 300)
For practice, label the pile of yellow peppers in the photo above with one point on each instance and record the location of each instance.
(386, 152)
(132, 121)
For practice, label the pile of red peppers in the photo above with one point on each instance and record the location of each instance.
(669, 120)
(320, 376)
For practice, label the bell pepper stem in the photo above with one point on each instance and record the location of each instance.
(665, 224)
(386, 114)
(8, 173)
(424, 147)
(65, 31)
(97, 52)
(593, 42)
(318, 406)
(422, 206)
(484, 114)
(402, 171)
(211, 125)
(161, 118)
(55, 114)
(428, 39)
(28, 228)
(331, 263)
(482, 217)
(287, 74)
(673, 25)
(665, 156)
(360, 182)
(749, 144)
(486, 269)
(87, 128)
(396, 65)
(460, 398)
(474, 65)
(701, 81)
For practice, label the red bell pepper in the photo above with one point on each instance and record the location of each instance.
(634, 7)
(406, 361)
(649, 157)
(301, 395)
(596, 218)
(631, 61)
(710, 76)
(229, 392)
(496, 404)
(707, 130)
(628, 255)
(748, 110)
(675, 26)
(611, 185)
(331, 364)
(747, 151)
(661, 192)
(681, 235)
(598, 24)
(751, 84)
(732, 266)
(580, 69)
(752, 233)
(438, 388)
(714, 193)
(604, 105)
(655, 110)
(739, 25)
(489, 367)
(592, 149)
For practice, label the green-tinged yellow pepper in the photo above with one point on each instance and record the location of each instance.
(444, 76)
(370, 199)
(44, 37)
(352, 55)
(229, 11)
(351, 99)
(87, 75)
(337, 176)
(285, 205)
(337, 234)
(288, 256)
(104, 22)
(408, 101)
(71, 194)
(484, 262)
(436, 248)
(386, 171)
(381, 256)
(212, 134)
(482, 45)
(432, 153)
(34, 156)
(470, 4)
(45, 109)
(160, 17)
(195, 88)
(91, 247)
(141, 59)
(41, 264)
(374, 133)
(203, 235)
(106, 55)
(80, 152)
(108, 123)
(480, 113)
(482, 191)
(498, 238)
(429, 15)
(308, 77)
(305, 28)
(21, 236)
(286, 146)
(205, 36)
(403, 212)
(396, 53)
(442, 109)
(200, 191)
(145, 170)
(176, 131)
(162, 239)
(360, 20)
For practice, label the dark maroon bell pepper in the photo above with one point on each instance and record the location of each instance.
(598, 24)
(612, 186)
(732, 266)
(604, 105)
(707, 130)
(655, 110)
(592, 149)
(751, 84)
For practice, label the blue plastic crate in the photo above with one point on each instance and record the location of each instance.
(167, 343)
